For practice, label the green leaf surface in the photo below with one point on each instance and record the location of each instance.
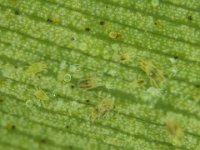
(100, 74)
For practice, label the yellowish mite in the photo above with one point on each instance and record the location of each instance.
(55, 20)
(41, 95)
(124, 57)
(36, 68)
(101, 109)
(158, 23)
(154, 74)
(174, 129)
(139, 83)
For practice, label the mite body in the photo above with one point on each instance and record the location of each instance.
(138, 83)
(87, 83)
(36, 68)
(102, 108)
(154, 74)
(41, 95)
(125, 57)
(175, 130)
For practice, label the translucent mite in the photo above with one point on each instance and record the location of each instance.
(138, 83)
(154, 74)
(174, 129)
(87, 83)
(102, 108)
(41, 95)
(124, 57)
(36, 68)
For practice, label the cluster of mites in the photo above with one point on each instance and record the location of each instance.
(154, 74)
(100, 110)
(103, 107)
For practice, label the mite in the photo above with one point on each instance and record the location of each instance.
(154, 74)
(41, 95)
(102, 109)
(174, 129)
(36, 68)
(87, 83)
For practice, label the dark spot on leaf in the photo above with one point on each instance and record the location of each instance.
(175, 57)
(13, 127)
(72, 86)
(87, 29)
(72, 38)
(190, 18)
(49, 20)
(17, 12)
(102, 23)
(197, 85)
(43, 141)
(87, 100)
(67, 126)
(39, 76)
(70, 147)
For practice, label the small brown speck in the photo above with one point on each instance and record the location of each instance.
(197, 85)
(87, 29)
(70, 147)
(102, 23)
(175, 57)
(17, 12)
(13, 127)
(190, 18)
(72, 86)
(49, 20)
(72, 38)
(43, 141)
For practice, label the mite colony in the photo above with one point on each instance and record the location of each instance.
(36, 68)
(101, 109)
(154, 74)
